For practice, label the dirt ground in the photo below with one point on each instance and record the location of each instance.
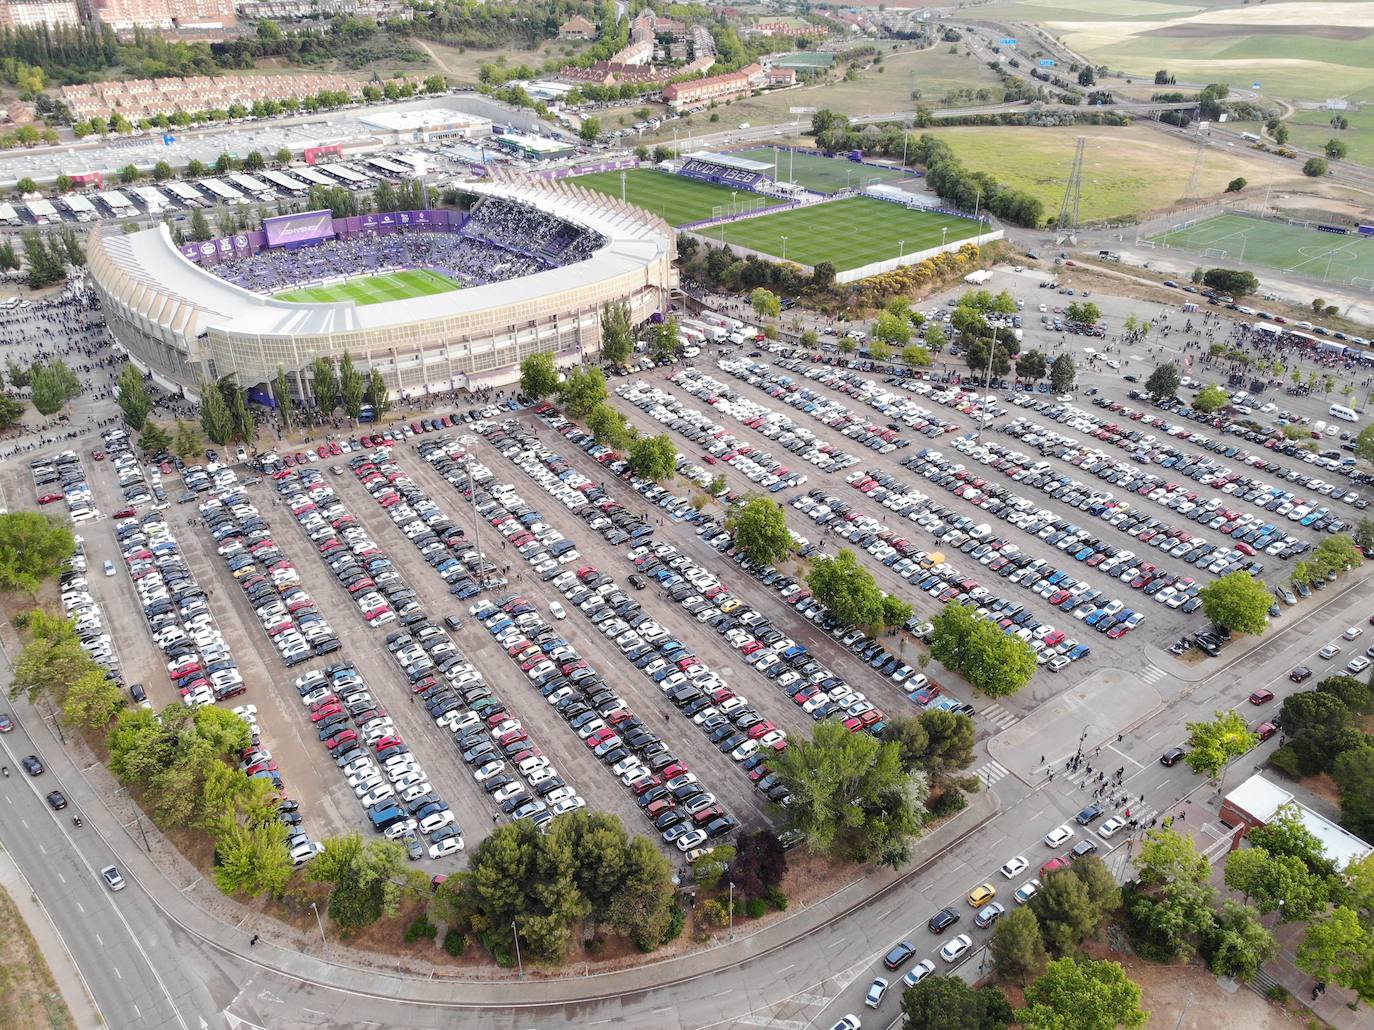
(28, 993)
(1189, 998)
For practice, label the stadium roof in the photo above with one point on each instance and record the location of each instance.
(731, 161)
(158, 266)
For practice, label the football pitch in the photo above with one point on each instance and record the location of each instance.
(1293, 248)
(376, 289)
(674, 198)
(818, 172)
(848, 233)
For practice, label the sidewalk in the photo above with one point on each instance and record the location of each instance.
(69, 979)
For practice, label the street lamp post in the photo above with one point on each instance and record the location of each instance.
(944, 234)
(318, 921)
(518, 960)
(732, 910)
(784, 248)
(901, 249)
(732, 202)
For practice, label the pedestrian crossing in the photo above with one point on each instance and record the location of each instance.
(999, 716)
(1151, 673)
(991, 772)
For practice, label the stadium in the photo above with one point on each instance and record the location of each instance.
(435, 300)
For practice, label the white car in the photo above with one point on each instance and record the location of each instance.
(1058, 836)
(1014, 866)
(918, 972)
(956, 947)
(1026, 891)
(690, 840)
(558, 611)
(1357, 664)
(447, 846)
(1111, 827)
(877, 990)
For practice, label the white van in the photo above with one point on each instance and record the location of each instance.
(1340, 411)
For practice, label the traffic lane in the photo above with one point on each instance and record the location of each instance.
(571, 759)
(388, 686)
(104, 930)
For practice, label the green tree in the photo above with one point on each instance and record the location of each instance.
(377, 394)
(608, 426)
(1167, 856)
(1315, 722)
(33, 549)
(759, 527)
(252, 860)
(851, 795)
(1031, 365)
(366, 877)
(848, 589)
(617, 334)
(581, 391)
(591, 129)
(352, 387)
(947, 1003)
(642, 909)
(1062, 374)
(1286, 834)
(1163, 381)
(1210, 398)
(1230, 281)
(53, 385)
(1084, 995)
(1336, 149)
(1236, 185)
(281, 393)
(200, 226)
(133, 397)
(949, 741)
(92, 700)
(879, 351)
(1066, 913)
(186, 443)
(653, 457)
(1339, 949)
(993, 662)
(1018, 950)
(1315, 167)
(324, 383)
(664, 343)
(1353, 771)
(1237, 944)
(765, 303)
(1276, 883)
(162, 171)
(892, 330)
(215, 417)
(11, 412)
(914, 356)
(154, 439)
(1218, 742)
(935, 338)
(1238, 602)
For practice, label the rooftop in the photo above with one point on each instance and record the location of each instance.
(1262, 799)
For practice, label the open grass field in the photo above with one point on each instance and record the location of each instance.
(1292, 248)
(376, 289)
(818, 172)
(847, 233)
(674, 198)
(1126, 171)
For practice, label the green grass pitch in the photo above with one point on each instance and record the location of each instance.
(1308, 252)
(674, 198)
(818, 172)
(847, 233)
(376, 289)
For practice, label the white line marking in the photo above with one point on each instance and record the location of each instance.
(117, 972)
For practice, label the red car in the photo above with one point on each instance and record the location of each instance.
(346, 737)
(1261, 697)
(1265, 730)
(49, 498)
(125, 513)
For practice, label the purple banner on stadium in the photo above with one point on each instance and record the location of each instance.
(246, 244)
(293, 230)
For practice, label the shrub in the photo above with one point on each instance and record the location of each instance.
(756, 908)
(455, 942)
(677, 919)
(947, 803)
(1285, 760)
(420, 930)
(776, 898)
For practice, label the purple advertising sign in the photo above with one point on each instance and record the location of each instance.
(293, 230)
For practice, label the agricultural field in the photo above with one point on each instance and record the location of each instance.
(674, 198)
(827, 174)
(1293, 248)
(376, 289)
(847, 233)
(1126, 171)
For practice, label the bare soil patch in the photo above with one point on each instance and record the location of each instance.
(28, 993)
(1208, 30)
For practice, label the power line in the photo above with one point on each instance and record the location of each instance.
(1066, 228)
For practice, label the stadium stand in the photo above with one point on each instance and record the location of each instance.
(722, 170)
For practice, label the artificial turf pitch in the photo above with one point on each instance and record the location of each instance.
(376, 289)
(848, 233)
(826, 174)
(1292, 248)
(674, 198)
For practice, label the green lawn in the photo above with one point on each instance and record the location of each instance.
(376, 289)
(1292, 248)
(674, 198)
(848, 233)
(818, 172)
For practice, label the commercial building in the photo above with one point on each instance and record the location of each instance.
(700, 92)
(422, 126)
(1256, 801)
(124, 15)
(179, 321)
(533, 148)
(577, 27)
(32, 14)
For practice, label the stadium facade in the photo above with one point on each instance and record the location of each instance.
(184, 324)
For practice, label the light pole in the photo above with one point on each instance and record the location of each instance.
(318, 921)
(732, 203)
(944, 234)
(901, 249)
(732, 910)
(784, 248)
(518, 960)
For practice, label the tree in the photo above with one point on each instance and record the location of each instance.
(1339, 949)
(1364, 444)
(92, 700)
(1168, 857)
(252, 860)
(352, 386)
(760, 862)
(324, 383)
(1163, 381)
(154, 439)
(654, 457)
(1355, 694)
(1238, 602)
(879, 351)
(947, 1003)
(997, 664)
(822, 276)
(51, 658)
(1230, 281)
(1018, 950)
(664, 344)
(1031, 365)
(765, 303)
(848, 589)
(1216, 743)
(33, 548)
(1210, 398)
(281, 393)
(1353, 772)
(608, 426)
(1236, 185)
(1276, 883)
(162, 171)
(377, 394)
(11, 412)
(915, 356)
(892, 330)
(1335, 149)
(851, 796)
(759, 527)
(1280, 134)
(53, 385)
(1067, 915)
(1085, 312)
(582, 391)
(591, 129)
(617, 335)
(200, 226)
(186, 442)
(367, 877)
(1315, 167)
(254, 162)
(215, 417)
(1286, 834)
(1062, 374)
(1237, 943)
(949, 741)
(133, 397)
(1314, 722)
(283, 155)
(1085, 995)
(935, 338)
(642, 908)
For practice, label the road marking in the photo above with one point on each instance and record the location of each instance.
(784, 969)
(1151, 673)
(138, 1011)
(889, 912)
(99, 940)
(42, 849)
(779, 1024)
(1112, 748)
(999, 716)
(810, 999)
(842, 940)
(61, 877)
(81, 907)
(117, 972)
(317, 1012)
(991, 772)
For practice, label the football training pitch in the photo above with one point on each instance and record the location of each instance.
(818, 172)
(674, 198)
(376, 289)
(1293, 248)
(848, 233)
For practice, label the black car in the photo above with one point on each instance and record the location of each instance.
(57, 800)
(900, 954)
(1171, 756)
(1088, 815)
(32, 765)
(940, 922)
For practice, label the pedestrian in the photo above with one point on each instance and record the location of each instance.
(252, 940)
(495, 816)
